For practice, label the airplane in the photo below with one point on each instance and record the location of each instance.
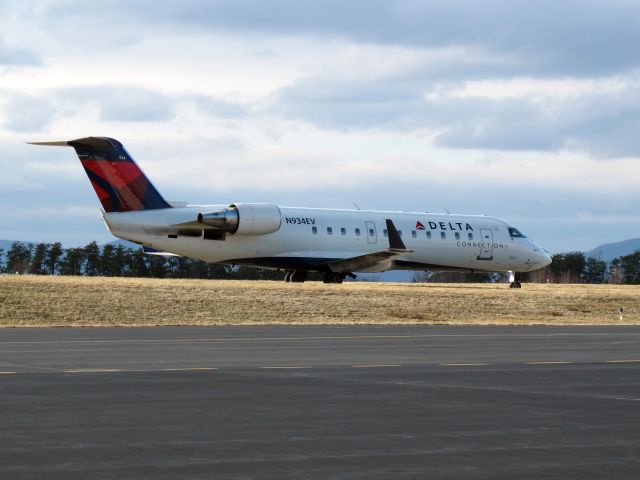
(337, 243)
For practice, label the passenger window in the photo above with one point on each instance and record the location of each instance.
(314, 230)
(428, 233)
(357, 232)
(443, 235)
(371, 232)
(470, 236)
(414, 234)
(329, 231)
(384, 232)
(343, 231)
(400, 232)
(457, 235)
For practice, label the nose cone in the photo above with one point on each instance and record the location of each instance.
(542, 258)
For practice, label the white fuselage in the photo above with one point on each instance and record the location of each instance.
(305, 236)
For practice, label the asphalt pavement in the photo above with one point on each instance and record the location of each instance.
(320, 402)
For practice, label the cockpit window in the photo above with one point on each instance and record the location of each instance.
(515, 233)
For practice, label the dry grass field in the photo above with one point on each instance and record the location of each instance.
(27, 301)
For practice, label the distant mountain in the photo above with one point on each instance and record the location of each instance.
(609, 251)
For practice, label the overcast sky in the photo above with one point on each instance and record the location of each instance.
(529, 111)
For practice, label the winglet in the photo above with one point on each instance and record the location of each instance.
(63, 143)
(394, 237)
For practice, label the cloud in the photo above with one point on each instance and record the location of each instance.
(408, 104)
(217, 107)
(17, 56)
(574, 37)
(118, 103)
(27, 113)
(134, 105)
(113, 103)
(36, 112)
(598, 122)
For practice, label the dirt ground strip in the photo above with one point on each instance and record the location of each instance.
(82, 301)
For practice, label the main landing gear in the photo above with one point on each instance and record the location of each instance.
(515, 283)
(296, 276)
(337, 277)
(333, 277)
(299, 276)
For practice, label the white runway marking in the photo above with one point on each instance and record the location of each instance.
(464, 364)
(188, 369)
(93, 370)
(549, 362)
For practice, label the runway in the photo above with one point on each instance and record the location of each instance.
(320, 402)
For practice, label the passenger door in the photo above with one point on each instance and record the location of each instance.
(486, 244)
(372, 236)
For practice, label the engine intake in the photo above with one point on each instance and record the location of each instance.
(244, 219)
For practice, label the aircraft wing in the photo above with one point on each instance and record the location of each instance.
(377, 261)
(153, 251)
(372, 262)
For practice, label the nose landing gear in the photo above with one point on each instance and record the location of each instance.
(515, 280)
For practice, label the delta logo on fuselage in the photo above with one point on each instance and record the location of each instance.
(443, 226)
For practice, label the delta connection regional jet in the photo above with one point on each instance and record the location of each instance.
(337, 243)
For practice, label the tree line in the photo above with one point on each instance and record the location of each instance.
(575, 267)
(119, 261)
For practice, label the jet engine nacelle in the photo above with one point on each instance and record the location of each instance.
(244, 219)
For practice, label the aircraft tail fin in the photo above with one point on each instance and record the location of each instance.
(120, 184)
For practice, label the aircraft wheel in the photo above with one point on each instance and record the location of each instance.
(332, 277)
(298, 276)
(516, 281)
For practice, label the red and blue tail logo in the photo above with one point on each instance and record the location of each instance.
(118, 181)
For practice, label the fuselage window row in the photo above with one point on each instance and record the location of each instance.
(414, 234)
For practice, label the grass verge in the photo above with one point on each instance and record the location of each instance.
(31, 301)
